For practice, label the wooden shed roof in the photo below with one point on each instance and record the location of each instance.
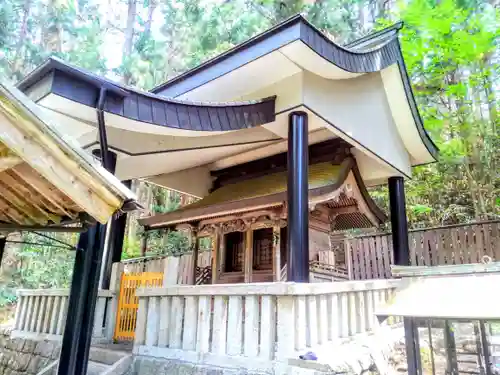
(45, 179)
(327, 182)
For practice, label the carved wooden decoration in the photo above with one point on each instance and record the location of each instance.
(237, 225)
(206, 230)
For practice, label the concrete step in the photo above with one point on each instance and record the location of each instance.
(96, 368)
(105, 355)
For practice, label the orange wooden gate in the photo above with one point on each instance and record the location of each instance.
(128, 303)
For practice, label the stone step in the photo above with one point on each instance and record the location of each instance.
(96, 368)
(106, 356)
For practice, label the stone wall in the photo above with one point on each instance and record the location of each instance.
(20, 356)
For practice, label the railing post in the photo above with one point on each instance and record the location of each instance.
(99, 317)
(286, 327)
(140, 328)
(117, 270)
(276, 252)
(170, 270)
(348, 258)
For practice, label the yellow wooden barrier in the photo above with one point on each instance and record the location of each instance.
(128, 303)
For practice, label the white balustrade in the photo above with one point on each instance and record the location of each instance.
(41, 313)
(254, 324)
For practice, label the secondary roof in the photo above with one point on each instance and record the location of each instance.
(45, 179)
(337, 185)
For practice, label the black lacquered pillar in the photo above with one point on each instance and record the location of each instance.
(298, 210)
(83, 294)
(3, 241)
(399, 221)
(399, 224)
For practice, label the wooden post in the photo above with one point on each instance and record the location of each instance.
(216, 240)
(276, 253)
(248, 255)
(298, 206)
(196, 249)
(114, 287)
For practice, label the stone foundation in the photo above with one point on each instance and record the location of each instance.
(20, 356)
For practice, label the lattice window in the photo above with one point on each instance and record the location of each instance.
(263, 249)
(234, 252)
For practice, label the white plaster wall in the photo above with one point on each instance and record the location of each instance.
(359, 110)
(289, 92)
(194, 181)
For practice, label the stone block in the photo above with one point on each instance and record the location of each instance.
(56, 352)
(34, 365)
(15, 344)
(29, 346)
(45, 348)
(22, 361)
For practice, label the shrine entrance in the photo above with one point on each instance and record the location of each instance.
(128, 303)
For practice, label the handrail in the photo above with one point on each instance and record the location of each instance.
(203, 275)
(329, 269)
(283, 273)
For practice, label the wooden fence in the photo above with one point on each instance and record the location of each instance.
(184, 268)
(370, 257)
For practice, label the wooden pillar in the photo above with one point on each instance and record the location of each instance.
(216, 243)
(276, 252)
(399, 221)
(248, 255)
(82, 301)
(298, 204)
(401, 249)
(196, 249)
(3, 241)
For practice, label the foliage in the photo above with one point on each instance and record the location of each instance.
(43, 263)
(451, 52)
(450, 48)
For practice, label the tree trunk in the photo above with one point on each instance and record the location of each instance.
(18, 57)
(129, 37)
(149, 21)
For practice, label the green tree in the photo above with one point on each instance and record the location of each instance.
(448, 49)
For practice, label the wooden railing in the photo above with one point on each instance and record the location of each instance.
(41, 313)
(203, 275)
(266, 322)
(338, 273)
(371, 256)
(283, 273)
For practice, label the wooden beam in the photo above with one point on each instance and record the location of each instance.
(196, 250)
(14, 214)
(27, 196)
(276, 252)
(334, 150)
(24, 136)
(248, 255)
(216, 241)
(8, 162)
(42, 187)
(22, 205)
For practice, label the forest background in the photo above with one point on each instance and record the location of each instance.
(450, 48)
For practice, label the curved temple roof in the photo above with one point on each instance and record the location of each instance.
(327, 183)
(84, 87)
(359, 93)
(372, 53)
